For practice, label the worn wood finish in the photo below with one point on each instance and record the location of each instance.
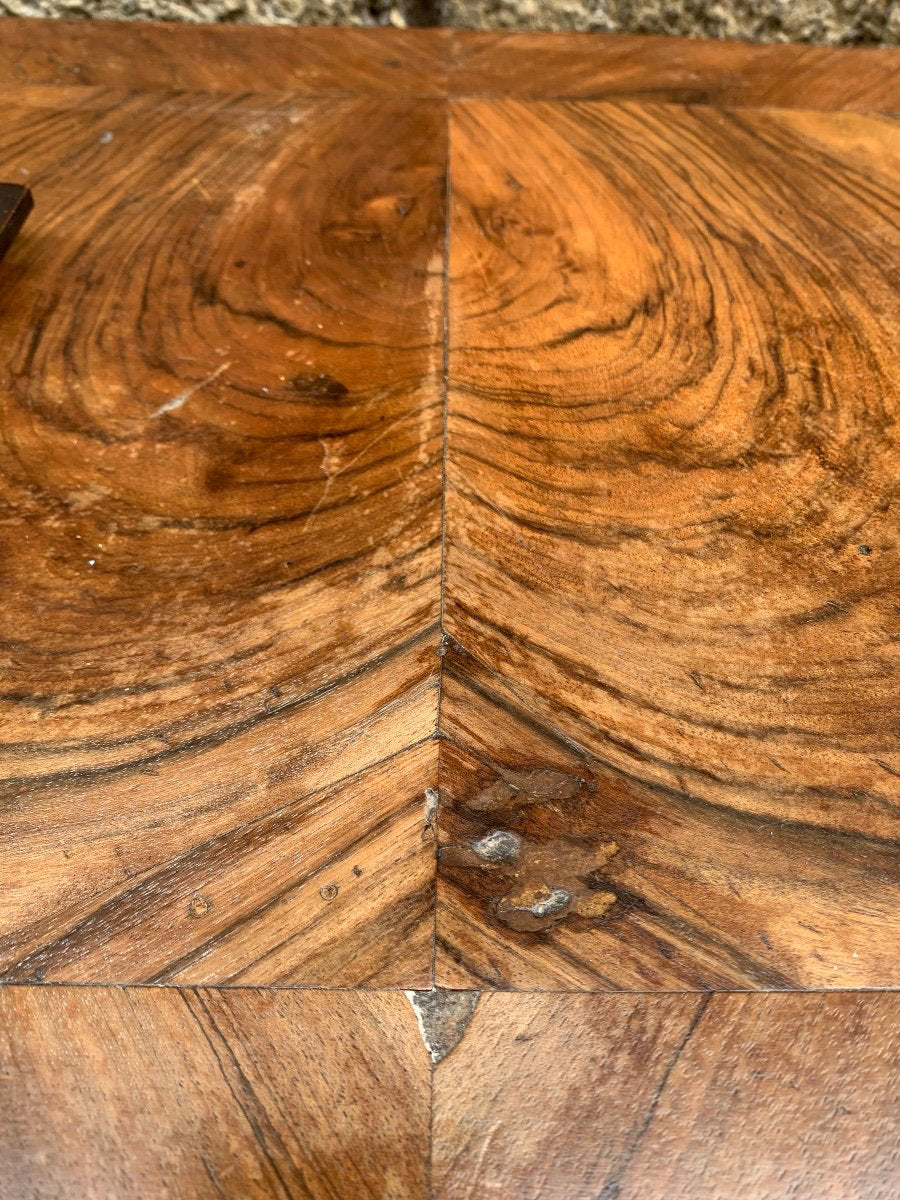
(221, 483)
(671, 545)
(15, 205)
(156, 1092)
(659, 889)
(143, 56)
(598, 67)
(675, 1097)
(658, 608)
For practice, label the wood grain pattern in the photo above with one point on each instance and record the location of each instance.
(665, 891)
(623, 640)
(432, 62)
(672, 545)
(675, 1097)
(598, 67)
(221, 495)
(145, 56)
(200, 1094)
(669, 711)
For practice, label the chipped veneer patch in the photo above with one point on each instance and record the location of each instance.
(443, 1018)
(500, 846)
(539, 873)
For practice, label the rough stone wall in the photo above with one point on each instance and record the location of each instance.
(824, 21)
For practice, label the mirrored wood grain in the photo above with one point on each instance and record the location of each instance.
(671, 543)
(220, 469)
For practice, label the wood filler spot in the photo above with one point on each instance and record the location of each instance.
(199, 905)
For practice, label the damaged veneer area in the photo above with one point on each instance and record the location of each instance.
(556, 871)
(443, 1018)
(15, 205)
(531, 870)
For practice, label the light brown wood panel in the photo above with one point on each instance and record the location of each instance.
(681, 70)
(676, 1097)
(672, 541)
(220, 478)
(144, 1092)
(145, 55)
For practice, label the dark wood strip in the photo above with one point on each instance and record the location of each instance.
(15, 205)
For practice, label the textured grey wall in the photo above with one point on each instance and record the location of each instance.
(835, 21)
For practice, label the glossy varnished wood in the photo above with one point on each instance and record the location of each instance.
(200, 1094)
(595, 66)
(671, 549)
(671, 1097)
(221, 486)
